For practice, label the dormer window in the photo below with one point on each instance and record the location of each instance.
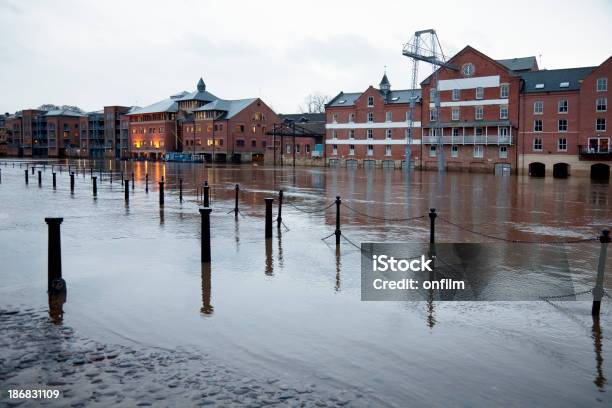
(564, 85)
(370, 101)
(539, 86)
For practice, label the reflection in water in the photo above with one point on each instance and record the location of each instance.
(269, 260)
(161, 215)
(280, 248)
(431, 319)
(56, 306)
(207, 308)
(237, 231)
(338, 267)
(600, 380)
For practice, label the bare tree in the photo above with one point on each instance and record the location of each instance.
(314, 103)
(50, 106)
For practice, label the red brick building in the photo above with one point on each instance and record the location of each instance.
(297, 139)
(372, 128)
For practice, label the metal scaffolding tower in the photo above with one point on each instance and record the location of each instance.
(425, 46)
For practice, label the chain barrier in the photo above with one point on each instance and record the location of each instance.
(383, 218)
(310, 211)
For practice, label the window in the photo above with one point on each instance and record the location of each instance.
(537, 144)
(455, 113)
(335, 118)
(503, 112)
(478, 152)
(562, 125)
(351, 150)
(432, 94)
(599, 145)
(370, 133)
(456, 94)
(503, 91)
(307, 147)
(220, 142)
(334, 149)
(351, 133)
(537, 125)
(563, 106)
(240, 143)
(388, 117)
(478, 112)
(468, 69)
(455, 132)
(455, 151)
(370, 117)
(433, 115)
(479, 92)
(562, 144)
(253, 143)
(388, 133)
(351, 117)
(600, 124)
(432, 151)
(253, 129)
(601, 104)
(370, 150)
(503, 132)
(387, 150)
(297, 148)
(538, 107)
(602, 84)
(503, 152)
(240, 128)
(334, 134)
(478, 131)
(370, 101)
(288, 148)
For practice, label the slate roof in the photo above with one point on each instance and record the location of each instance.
(230, 107)
(167, 105)
(303, 117)
(199, 96)
(398, 96)
(552, 78)
(64, 112)
(520, 64)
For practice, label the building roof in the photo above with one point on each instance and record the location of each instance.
(64, 112)
(554, 80)
(230, 107)
(200, 94)
(520, 64)
(303, 117)
(167, 105)
(398, 96)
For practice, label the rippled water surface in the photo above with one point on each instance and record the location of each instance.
(291, 307)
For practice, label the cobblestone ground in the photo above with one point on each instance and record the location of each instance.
(36, 354)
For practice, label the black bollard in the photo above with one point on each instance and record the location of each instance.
(161, 193)
(33, 169)
(95, 185)
(111, 176)
(147, 183)
(237, 188)
(54, 181)
(181, 190)
(338, 232)
(55, 283)
(39, 178)
(269, 217)
(72, 182)
(132, 180)
(127, 191)
(205, 233)
(279, 218)
(432, 225)
(598, 291)
(26, 176)
(206, 194)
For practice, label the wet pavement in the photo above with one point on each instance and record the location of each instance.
(289, 309)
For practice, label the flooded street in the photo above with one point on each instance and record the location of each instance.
(290, 308)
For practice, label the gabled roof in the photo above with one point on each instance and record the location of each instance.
(199, 96)
(303, 117)
(167, 105)
(550, 80)
(397, 96)
(230, 107)
(64, 112)
(520, 64)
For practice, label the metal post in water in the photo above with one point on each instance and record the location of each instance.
(33, 167)
(95, 185)
(121, 178)
(147, 183)
(54, 181)
(205, 253)
(55, 283)
(338, 232)
(127, 191)
(279, 218)
(237, 188)
(26, 176)
(432, 225)
(181, 190)
(132, 180)
(39, 178)
(161, 193)
(72, 182)
(269, 217)
(206, 194)
(111, 176)
(598, 291)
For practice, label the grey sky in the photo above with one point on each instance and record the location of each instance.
(96, 53)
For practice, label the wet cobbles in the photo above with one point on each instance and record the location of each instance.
(36, 354)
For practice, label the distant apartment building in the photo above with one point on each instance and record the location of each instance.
(494, 116)
(373, 127)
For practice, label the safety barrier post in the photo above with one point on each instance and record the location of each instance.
(598, 291)
(269, 217)
(338, 233)
(432, 225)
(205, 253)
(279, 218)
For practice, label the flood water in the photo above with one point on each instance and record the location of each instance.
(291, 307)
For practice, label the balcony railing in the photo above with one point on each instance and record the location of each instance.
(594, 153)
(470, 140)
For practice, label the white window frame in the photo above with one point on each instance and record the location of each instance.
(478, 112)
(535, 121)
(539, 141)
(370, 134)
(335, 118)
(370, 117)
(351, 134)
(503, 152)
(388, 134)
(432, 150)
(388, 116)
(351, 150)
(559, 121)
(370, 151)
(603, 129)
(455, 132)
(559, 148)
(433, 115)
(334, 134)
(502, 109)
(538, 107)
(479, 92)
(351, 117)
(455, 113)
(454, 151)
(370, 101)
(334, 150)
(388, 151)
(605, 104)
(563, 103)
(601, 84)
(479, 152)
(456, 94)
(504, 91)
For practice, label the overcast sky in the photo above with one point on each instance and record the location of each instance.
(96, 53)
